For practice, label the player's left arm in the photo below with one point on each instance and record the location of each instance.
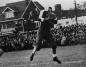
(54, 16)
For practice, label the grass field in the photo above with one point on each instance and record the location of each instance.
(71, 56)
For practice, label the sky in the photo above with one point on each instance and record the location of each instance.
(65, 4)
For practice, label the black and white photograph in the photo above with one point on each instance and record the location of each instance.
(42, 33)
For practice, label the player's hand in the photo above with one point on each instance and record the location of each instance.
(52, 29)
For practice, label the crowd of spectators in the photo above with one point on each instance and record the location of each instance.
(75, 33)
(18, 42)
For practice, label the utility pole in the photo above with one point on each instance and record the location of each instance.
(75, 11)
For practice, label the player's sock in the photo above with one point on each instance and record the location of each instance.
(34, 50)
(54, 55)
(33, 53)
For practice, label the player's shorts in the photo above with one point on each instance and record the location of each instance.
(48, 37)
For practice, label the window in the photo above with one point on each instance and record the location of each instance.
(9, 14)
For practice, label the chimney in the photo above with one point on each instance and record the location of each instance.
(58, 10)
(26, 1)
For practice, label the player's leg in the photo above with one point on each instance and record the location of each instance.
(55, 58)
(36, 47)
(33, 53)
(53, 46)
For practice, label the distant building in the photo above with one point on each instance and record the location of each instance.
(58, 10)
(17, 12)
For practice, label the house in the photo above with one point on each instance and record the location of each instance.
(17, 12)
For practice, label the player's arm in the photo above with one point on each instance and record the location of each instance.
(55, 19)
(41, 15)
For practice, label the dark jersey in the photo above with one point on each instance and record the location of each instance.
(49, 15)
(46, 25)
